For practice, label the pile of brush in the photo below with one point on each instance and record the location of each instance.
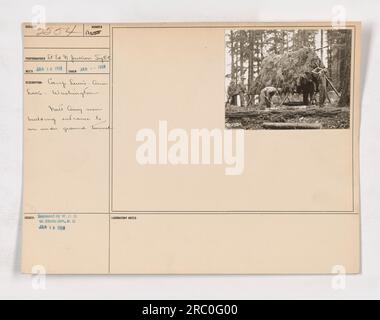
(284, 71)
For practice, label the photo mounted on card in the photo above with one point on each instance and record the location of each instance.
(288, 79)
(201, 148)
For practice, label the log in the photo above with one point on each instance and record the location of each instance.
(290, 125)
(294, 103)
(288, 112)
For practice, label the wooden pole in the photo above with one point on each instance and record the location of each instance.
(321, 48)
(283, 101)
(332, 86)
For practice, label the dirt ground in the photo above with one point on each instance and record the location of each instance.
(329, 116)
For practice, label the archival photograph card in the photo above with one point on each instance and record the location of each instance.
(191, 148)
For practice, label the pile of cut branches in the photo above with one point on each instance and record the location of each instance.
(283, 71)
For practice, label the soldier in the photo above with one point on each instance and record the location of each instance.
(322, 80)
(266, 96)
(236, 91)
(242, 90)
(232, 93)
(308, 88)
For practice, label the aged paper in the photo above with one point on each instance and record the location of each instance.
(210, 148)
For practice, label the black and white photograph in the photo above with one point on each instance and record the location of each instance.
(189, 157)
(288, 79)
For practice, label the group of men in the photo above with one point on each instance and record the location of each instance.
(308, 85)
(237, 95)
(312, 82)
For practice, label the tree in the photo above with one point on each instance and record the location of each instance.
(345, 76)
(231, 46)
(251, 53)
